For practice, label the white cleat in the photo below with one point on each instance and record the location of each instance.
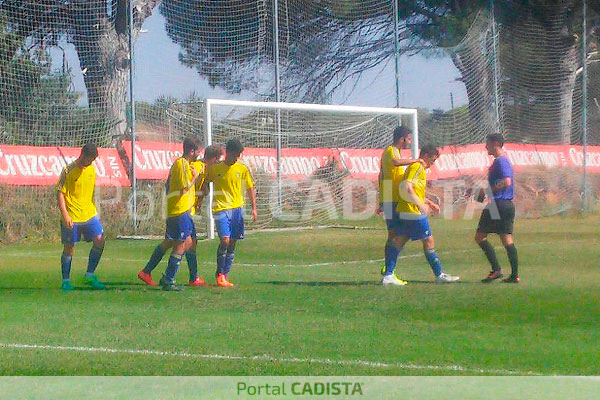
(445, 278)
(392, 280)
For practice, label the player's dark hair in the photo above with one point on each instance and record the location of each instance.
(213, 151)
(89, 150)
(429, 150)
(401, 132)
(190, 144)
(234, 146)
(495, 138)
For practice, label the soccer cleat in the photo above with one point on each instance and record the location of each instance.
(93, 282)
(393, 273)
(171, 287)
(446, 278)
(492, 276)
(66, 286)
(392, 280)
(146, 278)
(512, 279)
(197, 282)
(168, 286)
(222, 281)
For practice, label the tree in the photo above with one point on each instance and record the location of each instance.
(99, 31)
(36, 105)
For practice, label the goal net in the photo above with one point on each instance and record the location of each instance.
(312, 164)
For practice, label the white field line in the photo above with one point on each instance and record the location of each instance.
(474, 249)
(265, 357)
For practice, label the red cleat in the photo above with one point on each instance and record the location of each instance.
(197, 282)
(492, 276)
(223, 282)
(146, 278)
(512, 279)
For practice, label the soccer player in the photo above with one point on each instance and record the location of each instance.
(212, 154)
(412, 223)
(79, 216)
(390, 174)
(180, 189)
(230, 178)
(501, 181)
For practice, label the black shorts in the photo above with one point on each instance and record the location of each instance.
(502, 225)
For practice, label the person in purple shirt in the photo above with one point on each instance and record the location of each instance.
(499, 215)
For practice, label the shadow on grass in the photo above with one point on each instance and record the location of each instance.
(321, 283)
(352, 283)
(51, 289)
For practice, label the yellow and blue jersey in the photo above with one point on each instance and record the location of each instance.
(200, 167)
(77, 184)
(391, 175)
(415, 174)
(180, 176)
(229, 183)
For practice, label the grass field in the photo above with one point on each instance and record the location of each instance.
(308, 303)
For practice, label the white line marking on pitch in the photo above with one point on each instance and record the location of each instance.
(265, 357)
(323, 264)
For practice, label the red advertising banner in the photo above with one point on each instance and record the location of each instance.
(32, 165)
(574, 155)
(296, 164)
(153, 159)
(361, 163)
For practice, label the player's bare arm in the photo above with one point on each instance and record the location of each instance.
(408, 190)
(501, 184)
(399, 162)
(67, 221)
(252, 195)
(434, 207)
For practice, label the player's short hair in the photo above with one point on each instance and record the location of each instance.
(401, 132)
(495, 138)
(213, 151)
(429, 150)
(89, 150)
(190, 144)
(234, 146)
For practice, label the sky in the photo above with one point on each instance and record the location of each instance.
(424, 82)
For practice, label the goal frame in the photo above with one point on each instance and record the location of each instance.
(209, 104)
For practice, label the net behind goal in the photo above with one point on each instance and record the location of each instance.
(312, 164)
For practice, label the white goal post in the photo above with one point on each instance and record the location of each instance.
(211, 105)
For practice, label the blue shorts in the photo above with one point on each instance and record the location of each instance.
(230, 223)
(414, 229)
(390, 214)
(90, 229)
(180, 227)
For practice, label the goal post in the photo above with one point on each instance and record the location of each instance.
(304, 127)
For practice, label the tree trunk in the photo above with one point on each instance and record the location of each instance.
(540, 58)
(102, 44)
(472, 58)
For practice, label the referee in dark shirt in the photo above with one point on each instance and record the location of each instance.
(501, 181)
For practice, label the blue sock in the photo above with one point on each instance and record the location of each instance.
(229, 261)
(173, 266)
(221, 254)
(391, 256)
(155, 258)
(94, 259)
(192, 262)
(434, 261)
(65, 266)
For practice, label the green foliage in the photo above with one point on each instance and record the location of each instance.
(37, 105)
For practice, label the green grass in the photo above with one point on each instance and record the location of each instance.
(307, 303)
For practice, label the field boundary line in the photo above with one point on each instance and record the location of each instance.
(265, 357)
(42, 254)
